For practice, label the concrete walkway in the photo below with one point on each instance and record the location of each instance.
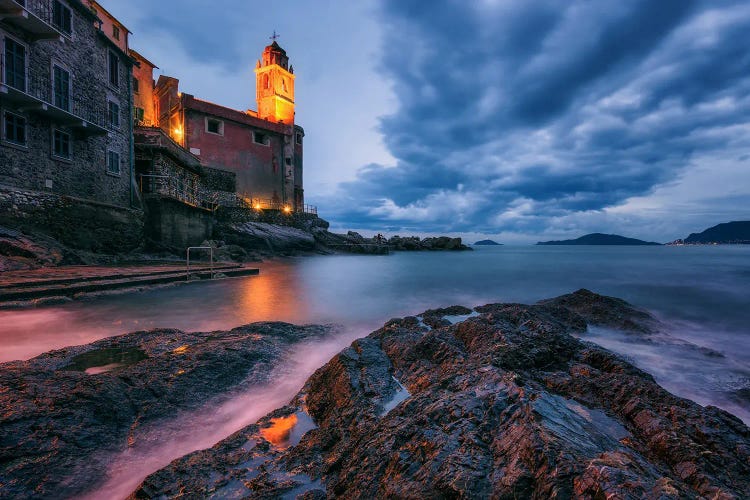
(72, 281)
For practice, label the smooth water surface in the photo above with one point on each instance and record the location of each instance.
(704, 286)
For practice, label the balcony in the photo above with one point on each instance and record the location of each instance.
(36, 96)
(32, 16)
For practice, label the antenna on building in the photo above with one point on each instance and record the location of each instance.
(275, 36)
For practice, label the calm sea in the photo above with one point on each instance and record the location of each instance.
(702, 295)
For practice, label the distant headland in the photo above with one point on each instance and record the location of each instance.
(728, 233)
(599, 239)
(487, 242)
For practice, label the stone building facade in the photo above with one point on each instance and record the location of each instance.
(65, 102)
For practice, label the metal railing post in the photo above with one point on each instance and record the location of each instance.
(187, 261)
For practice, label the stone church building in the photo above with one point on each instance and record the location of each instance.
(262, 149)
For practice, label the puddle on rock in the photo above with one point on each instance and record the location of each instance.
(287, 431)
(105, 360)
(401, 394)
(457, 318)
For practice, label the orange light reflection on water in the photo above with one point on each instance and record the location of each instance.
(279, 431)
(273, 295)
(276, 294)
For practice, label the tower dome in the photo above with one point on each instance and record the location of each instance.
(274, 54)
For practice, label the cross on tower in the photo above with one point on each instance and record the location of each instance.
(275, 36)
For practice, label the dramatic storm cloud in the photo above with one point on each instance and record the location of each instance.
(523, 119)
(547, 117)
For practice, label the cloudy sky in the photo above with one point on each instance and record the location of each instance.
(516, 119)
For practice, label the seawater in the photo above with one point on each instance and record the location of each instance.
(701, 295)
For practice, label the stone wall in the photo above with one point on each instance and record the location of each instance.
(78, 223)
(174, 225)
(84, 55)
(239, 215)
(219, 180)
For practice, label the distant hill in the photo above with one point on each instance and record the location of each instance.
(728, 232)
(487, 242)
(599, 239)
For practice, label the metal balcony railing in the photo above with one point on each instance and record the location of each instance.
(143, 122)
(36, 18)
(171, 187)
(40, 8)
(271, 204)
(38, 96)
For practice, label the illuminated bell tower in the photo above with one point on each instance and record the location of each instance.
(274, 83)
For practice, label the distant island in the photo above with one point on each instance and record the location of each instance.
(487, 242)
(599, 239)
(728, 233)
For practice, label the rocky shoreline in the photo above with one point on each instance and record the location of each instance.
(66, 411)
(233, 242)
(497, 401)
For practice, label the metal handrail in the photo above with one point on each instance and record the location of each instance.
(271, 204)
(166, 185)
(187, 267)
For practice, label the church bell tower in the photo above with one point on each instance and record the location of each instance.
(274, 83)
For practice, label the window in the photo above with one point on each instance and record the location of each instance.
(214, 126)
(114, 114)
(115, 32)
(114, 69)
(14, 129)
(61, 86)
(136, 85)
(298, 139)
(62, 17)
(113, 162)
(15, 64)
(61, 146)
(261, 138)
(138, 114)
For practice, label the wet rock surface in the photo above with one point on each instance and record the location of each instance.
(504, 404)
(61, 413)
(19, 251)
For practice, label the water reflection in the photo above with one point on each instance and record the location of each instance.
(103, 360)
(279, 430)
(288, 431)
(274, 295)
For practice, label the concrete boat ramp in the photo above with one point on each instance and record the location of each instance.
(48, 285)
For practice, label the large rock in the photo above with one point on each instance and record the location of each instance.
(21, 251)
(58, 421)
(500, 402)
(268, 237)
